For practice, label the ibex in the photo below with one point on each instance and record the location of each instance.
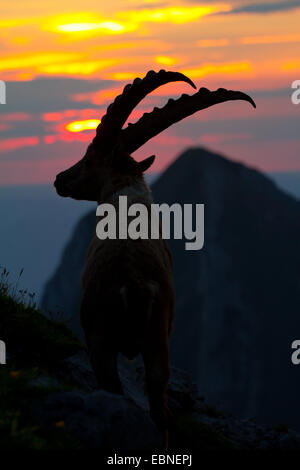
(128, 298)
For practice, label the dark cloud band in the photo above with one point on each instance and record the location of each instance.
(266, 7)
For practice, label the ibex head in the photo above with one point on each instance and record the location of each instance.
(109, 154)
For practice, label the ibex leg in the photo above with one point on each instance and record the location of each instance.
(105, 365)
(156, 360)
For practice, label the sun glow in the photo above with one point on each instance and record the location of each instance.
(78, 126)
(109, 26)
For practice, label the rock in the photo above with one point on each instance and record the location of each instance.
(101, 420)
(288, 442)
(46, 382)
(97, 419)
(78, 369)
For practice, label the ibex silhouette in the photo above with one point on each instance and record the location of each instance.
(128, 293)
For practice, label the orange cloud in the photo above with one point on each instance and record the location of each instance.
(97, 97)
(275, 39)
(35, 60)
(53, 117)
(218, 138)
(5, 127)
(12, 117)
(68, 137)
(12, 144)
(213, 43)
(104, 97)
(67, 114)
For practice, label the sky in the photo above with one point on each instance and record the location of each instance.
(64, 62)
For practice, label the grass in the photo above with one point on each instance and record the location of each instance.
(18, 428)
(31, 337)
(36, 346)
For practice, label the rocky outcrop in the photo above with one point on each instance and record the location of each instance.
(101, 420)
(237, 299)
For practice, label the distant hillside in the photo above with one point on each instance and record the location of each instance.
(288, 181)
(237, 299)
(35, 226)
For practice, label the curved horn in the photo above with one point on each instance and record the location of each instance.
(118, 112)
(151, 124)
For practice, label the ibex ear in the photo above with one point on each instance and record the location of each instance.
(145, 164)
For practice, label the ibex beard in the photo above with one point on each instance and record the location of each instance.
(128, 300)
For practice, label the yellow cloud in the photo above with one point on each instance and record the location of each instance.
(35, 60)
(178, 14)
(225, 68)
(124, 75)
(130, 20)
(76, 68)
(291, 65)
(20, 40)
(12, 23)
(165, 60)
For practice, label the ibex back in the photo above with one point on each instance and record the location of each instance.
(128, 293)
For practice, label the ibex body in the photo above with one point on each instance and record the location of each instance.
(128, 302)
(128, 294)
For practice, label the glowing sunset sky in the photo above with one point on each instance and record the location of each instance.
(63, 62)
